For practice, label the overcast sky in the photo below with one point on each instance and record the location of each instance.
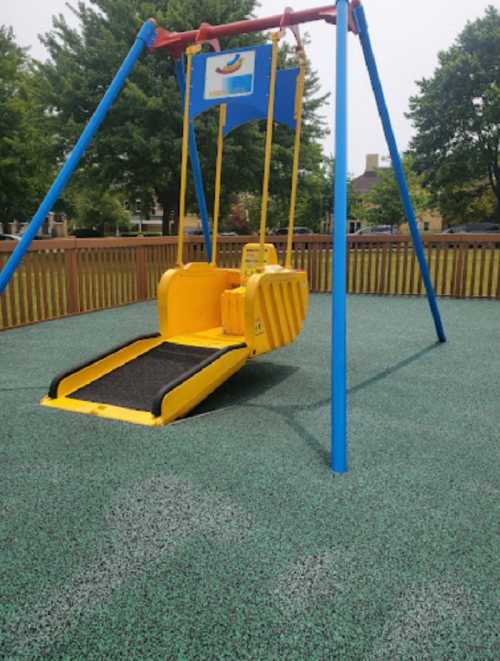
(406, 36)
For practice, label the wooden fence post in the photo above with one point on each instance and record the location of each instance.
(141, 274)
(70, 268)
(459, 271)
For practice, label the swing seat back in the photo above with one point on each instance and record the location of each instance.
(250, 259)
(264, 309)
(276, 302)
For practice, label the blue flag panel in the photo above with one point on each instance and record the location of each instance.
(238, 77)
(284, 104)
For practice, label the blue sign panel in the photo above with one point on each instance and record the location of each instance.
(237, 76)
(284, 104)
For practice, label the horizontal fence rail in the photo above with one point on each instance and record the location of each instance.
(61, 277)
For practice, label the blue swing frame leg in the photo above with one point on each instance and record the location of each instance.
(180, 74)
(144, 39)
(339, 382)
(362, 25)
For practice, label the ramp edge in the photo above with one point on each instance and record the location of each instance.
(54, 384)
(160, 396)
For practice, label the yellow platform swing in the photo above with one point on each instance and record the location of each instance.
(212, 319)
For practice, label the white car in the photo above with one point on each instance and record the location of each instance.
(9, 237)
(376, 229)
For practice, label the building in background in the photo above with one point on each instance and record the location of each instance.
(428, 221)
(153, 224)
(363, 184)
(55, 226)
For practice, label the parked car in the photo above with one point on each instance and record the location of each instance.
(9, 237)
(297, 230)
(18, 237)
(473, 228)
(470, 229)
(376, 229)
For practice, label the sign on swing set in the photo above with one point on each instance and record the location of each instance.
(237, 76)
(230, 75)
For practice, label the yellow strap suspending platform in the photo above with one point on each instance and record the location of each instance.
(299, 97)
(192, 50)
(218, 177)
(268, 148)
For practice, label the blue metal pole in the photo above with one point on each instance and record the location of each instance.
(180, 74)
(339, 362)
(144, 39)
(360, 18)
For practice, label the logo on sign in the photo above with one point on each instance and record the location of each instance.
(232, 66)
(230, 76)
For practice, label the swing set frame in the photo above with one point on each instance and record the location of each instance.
(347, 16)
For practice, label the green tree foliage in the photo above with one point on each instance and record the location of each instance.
(383, 206)
(457, 117)
(138, 149)
(466, 203)
(100, 209)
(25, 141)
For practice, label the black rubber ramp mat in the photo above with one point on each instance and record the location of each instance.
(136, 384)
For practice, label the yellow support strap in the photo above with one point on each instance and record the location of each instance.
(268, 148)
(192, 50)
(218, 178)
(299, 97)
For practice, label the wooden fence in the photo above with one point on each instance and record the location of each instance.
(70, 276)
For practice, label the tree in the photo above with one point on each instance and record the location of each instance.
(314, 198)
(138, 150)
(383, 206)
(237, 219)
(100, 209)
(457, 118)
(466, 203)
(25, 141)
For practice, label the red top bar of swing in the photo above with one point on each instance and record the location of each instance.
(176, 42)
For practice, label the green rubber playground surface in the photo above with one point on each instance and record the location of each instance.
(225, 535)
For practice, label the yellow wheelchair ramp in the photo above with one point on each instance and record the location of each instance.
(149, 381)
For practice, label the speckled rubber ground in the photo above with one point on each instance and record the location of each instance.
(225, 535)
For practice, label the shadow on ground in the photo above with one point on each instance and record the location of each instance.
(259, 377)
